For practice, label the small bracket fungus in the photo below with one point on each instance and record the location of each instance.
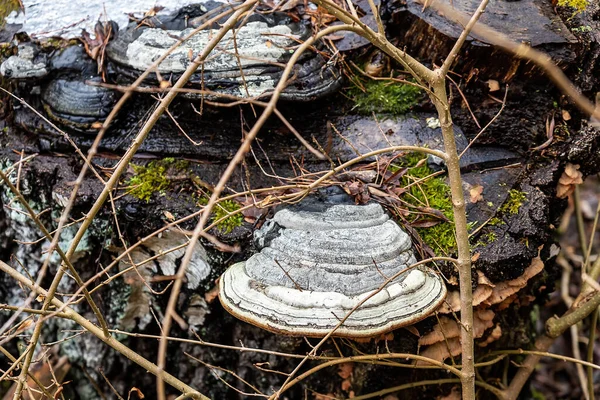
(318, 260)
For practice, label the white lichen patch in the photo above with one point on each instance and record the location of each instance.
(63, 18)
(170, 246)
(255, 44)
(255, 87)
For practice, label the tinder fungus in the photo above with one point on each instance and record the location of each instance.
(318, 260)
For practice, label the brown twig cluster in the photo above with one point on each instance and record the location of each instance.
(434, 80)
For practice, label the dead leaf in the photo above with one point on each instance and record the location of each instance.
(566, 115)
(45, 372)
(168, 215)
(475, 193)
(137, 391)
(454, 394)
(359, 191)
(475, 257)
(345, 370)
(493, 85)
(413, 330)
(346, 385)
(568, 180)
(212, 294)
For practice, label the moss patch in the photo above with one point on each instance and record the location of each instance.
(152, 178)
(6, 7)
(513, 203)
(435, 193)
(384, 97)
(579, 5)
(221, 210)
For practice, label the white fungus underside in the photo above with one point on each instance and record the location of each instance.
(311, 313)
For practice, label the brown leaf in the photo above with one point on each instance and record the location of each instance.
(137, 391)
(566, 115)
(346, 385)
(475, 193)
(212, 294)
(454, 394)
(345, 370)
(434, 212)
(413, 330)
(493, 85)
(425, 223)
(568, 180)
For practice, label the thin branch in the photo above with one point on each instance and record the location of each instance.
(96, 331)
(463, 36)
(237, 158)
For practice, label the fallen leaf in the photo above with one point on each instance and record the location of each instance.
(345, 370)
(137, 391)
(454, 394)
(413, 330)
(568, 180)
(346, 385)
(475, 193)
(566, 115)
(493, 85)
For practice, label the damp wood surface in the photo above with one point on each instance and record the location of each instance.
(510, 188)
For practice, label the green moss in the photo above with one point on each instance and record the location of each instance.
(435, 192)
(384, 97)
(486, 239)
(221, 210)
(495, 221)
(513, 203)
(579, 5)
(149, 179)
(6, 7)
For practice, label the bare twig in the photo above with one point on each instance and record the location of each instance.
(93, 329)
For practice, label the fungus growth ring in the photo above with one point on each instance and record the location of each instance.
(321, 258)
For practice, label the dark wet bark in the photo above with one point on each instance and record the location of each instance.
(503, 160)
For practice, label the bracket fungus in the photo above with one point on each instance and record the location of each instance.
(318, 261)
(248, 63)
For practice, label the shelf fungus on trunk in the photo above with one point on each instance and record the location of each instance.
(246, 64)
(318, 260)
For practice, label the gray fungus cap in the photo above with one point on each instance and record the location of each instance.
(318, 261)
